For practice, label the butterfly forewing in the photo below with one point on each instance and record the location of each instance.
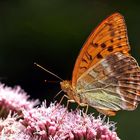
(109, 37)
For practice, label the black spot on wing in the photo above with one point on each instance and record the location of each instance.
(119, 38)
(112, 33)
(119, 46)
(83, 67)
(95, 45)
(103, 45)
(84, 60)
(111, 40)
(89, 57)
(110, 48)
(99, 56)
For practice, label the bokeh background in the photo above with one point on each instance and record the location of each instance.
(51, 33)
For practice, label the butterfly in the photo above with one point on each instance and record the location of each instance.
(105, 76)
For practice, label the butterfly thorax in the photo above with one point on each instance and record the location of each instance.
(67, 87)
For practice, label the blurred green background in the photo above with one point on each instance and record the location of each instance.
(51, 33)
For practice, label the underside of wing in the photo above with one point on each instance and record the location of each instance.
(112, 84)
(109, 37)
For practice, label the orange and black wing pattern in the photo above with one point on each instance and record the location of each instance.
(105, 75)
(109, 37)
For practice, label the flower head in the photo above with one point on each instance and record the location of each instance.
(11, 129)
(14, 99)
(56, 123)
(47, 123)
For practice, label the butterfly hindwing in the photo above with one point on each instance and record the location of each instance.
(112, 84)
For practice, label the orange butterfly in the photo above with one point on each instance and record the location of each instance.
(105, 75)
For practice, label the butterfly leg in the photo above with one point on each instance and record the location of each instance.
(84, 105)
(70, 101)
(77, 106)
(65, 96)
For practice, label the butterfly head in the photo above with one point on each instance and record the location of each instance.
(66, 85)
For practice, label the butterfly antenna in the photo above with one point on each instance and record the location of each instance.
(58, 93)
(48, 71)
(46, 81)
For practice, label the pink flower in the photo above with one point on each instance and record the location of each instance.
(14, 99)
(47, 123)
(10, 129)
(56, 123)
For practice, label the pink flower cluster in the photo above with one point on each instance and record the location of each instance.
(11, 129)
(14, 99)
(54, 122)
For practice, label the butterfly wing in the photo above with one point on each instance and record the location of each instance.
(109, 37)
(105, 74)
(111, 84)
